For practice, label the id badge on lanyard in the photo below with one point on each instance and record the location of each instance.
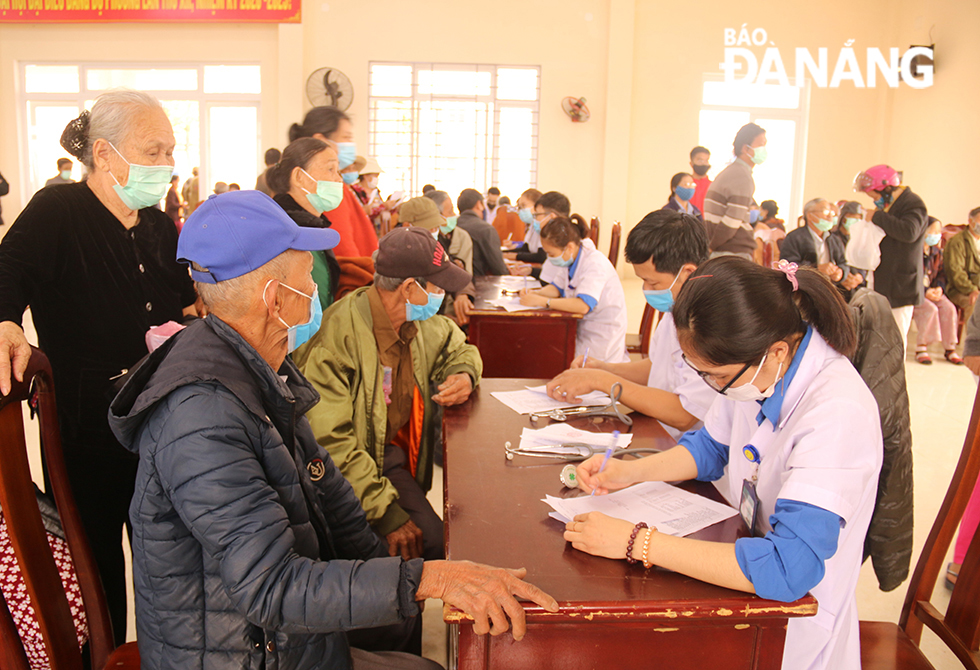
(748, 506)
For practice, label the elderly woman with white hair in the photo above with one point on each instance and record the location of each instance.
(96, 263)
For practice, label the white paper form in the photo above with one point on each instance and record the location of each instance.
(562, 433)
(512, 304)
(672, 510)
(536, 401)
(515, 283)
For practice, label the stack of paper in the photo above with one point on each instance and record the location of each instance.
(671, 510)
(514, 283)
(562, 433)
(511, 304)
(537, 401)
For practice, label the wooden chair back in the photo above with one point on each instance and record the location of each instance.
(614, 235)
(508, 225)
(959, 628)
(594, 231)
(648, 323)
(28, 538)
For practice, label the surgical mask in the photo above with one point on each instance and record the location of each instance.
(350, 178)
(560, 262)
(426, 311)
(749, 391)
(848, 223)
(450, 225)
(662, 300)
(753, 215)
(883, 200)
(328, 196)
(759, 155)
(933, 240)
(346, 153)
(684, 194)
(526, 216)
(66, 174)
(147, 184)
(300, 334)
(701, 170)
(823, 225)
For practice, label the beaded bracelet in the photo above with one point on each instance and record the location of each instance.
(629, 546)
(646, 548)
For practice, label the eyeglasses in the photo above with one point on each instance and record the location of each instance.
(539, 214)
(709, 377)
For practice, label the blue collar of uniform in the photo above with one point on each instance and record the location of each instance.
(574, 266)
(773, 405)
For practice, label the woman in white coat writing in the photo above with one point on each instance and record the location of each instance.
(581, 280)
(800, 435)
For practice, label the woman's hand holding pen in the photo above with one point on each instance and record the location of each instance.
(531, 298)
(617, 474)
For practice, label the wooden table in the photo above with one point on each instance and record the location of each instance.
(535, 343)
(612, 615)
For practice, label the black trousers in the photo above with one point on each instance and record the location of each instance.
(412, 499)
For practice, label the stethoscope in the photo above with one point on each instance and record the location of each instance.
(611, 410)
(569, 452)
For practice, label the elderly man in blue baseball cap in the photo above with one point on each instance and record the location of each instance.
(249, 547)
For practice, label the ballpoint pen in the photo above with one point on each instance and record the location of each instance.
(585, 359)
(609, 453)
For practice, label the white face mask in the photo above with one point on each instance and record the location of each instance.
(749, 391)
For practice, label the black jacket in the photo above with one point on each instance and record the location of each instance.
(880, 359)
(799, 247)
(899, 275)
(248, 543)
(487, 257)
(4, 190)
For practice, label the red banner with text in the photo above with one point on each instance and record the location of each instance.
(149, 11)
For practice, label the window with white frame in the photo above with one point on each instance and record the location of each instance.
(782, 111)
(454, 126)
(214, 110)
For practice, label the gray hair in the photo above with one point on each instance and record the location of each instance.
(437, 197)
(112, 118)
(812, 205)
(391, 284)
(232, 298)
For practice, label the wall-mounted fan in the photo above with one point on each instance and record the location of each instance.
(329, 86)
(576, 109)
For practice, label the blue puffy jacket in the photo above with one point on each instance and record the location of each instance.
(249, 546)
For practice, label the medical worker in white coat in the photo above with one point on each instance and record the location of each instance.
(664, 248)
(581, 280)
(799, 431)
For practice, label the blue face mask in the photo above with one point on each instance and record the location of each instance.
(346, 153)
(300, 334)
(684, 194)
(426, 311)
(526, 216)
(350, 178)
(933, 240)
(450, 225)
(753, 215)
(559, 261)
(662, 300)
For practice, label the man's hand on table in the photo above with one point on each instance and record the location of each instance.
(484, 593)
(454, 390)
(405, 541)
(15, 352)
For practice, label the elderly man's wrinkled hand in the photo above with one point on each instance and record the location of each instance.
(454, 390)
(462, 307)
(405, 541)
(15, 352)
(486, 594)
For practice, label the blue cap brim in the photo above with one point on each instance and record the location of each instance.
(315, 239)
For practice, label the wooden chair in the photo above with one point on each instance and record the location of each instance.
(28, 538)
(895, 646)
(594, 231)
(640, 344)
(614, 235)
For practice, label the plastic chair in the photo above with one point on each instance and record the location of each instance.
(614, 235)
(28, 538)
(896, 646)
(640, 344)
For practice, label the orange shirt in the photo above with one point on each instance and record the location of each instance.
(357, 236)
(700, 189)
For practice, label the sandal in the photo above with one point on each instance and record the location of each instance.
(954, 357)
(952, 572)
(923, 357)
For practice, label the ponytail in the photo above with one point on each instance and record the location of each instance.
(323, 120)
(732, 310)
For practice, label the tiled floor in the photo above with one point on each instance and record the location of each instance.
(942, 397)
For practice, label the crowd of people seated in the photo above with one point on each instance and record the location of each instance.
(271, 459)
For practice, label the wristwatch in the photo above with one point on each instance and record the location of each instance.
(547, 304)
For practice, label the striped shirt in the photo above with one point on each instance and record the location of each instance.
(726, 209)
